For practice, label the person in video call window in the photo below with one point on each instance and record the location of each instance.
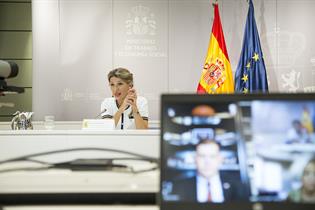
(297, 133)
(209, 184)
(305, 194)
(127, 109)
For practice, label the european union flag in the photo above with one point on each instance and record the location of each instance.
(250, 75)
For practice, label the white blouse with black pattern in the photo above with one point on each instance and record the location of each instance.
(109, 107)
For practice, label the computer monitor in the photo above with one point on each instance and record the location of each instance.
(238, 152)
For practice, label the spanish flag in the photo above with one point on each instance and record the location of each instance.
(216, 76)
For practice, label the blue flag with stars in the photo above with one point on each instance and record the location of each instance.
(250, 75)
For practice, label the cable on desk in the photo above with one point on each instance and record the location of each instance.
(100, 164)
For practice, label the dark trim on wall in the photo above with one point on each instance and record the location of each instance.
(15, 30)
(6, 115)
(18, 59)
(16, 2)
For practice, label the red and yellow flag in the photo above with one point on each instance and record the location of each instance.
(216, 76)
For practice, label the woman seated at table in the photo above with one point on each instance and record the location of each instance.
(127, 109)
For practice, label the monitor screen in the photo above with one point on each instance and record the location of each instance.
(238, 151)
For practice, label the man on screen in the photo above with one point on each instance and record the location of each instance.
(209, 184)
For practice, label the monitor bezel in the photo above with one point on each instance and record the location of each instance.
(242, 205)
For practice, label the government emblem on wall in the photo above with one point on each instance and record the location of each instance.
(141, 21)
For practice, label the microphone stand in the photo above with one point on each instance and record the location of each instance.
(4, 89)
(99, 114)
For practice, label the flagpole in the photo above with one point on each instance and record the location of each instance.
(214, 3)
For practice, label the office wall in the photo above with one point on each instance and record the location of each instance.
(163, 42)
(16, 46)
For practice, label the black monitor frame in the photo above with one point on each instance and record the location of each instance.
(206, 99)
